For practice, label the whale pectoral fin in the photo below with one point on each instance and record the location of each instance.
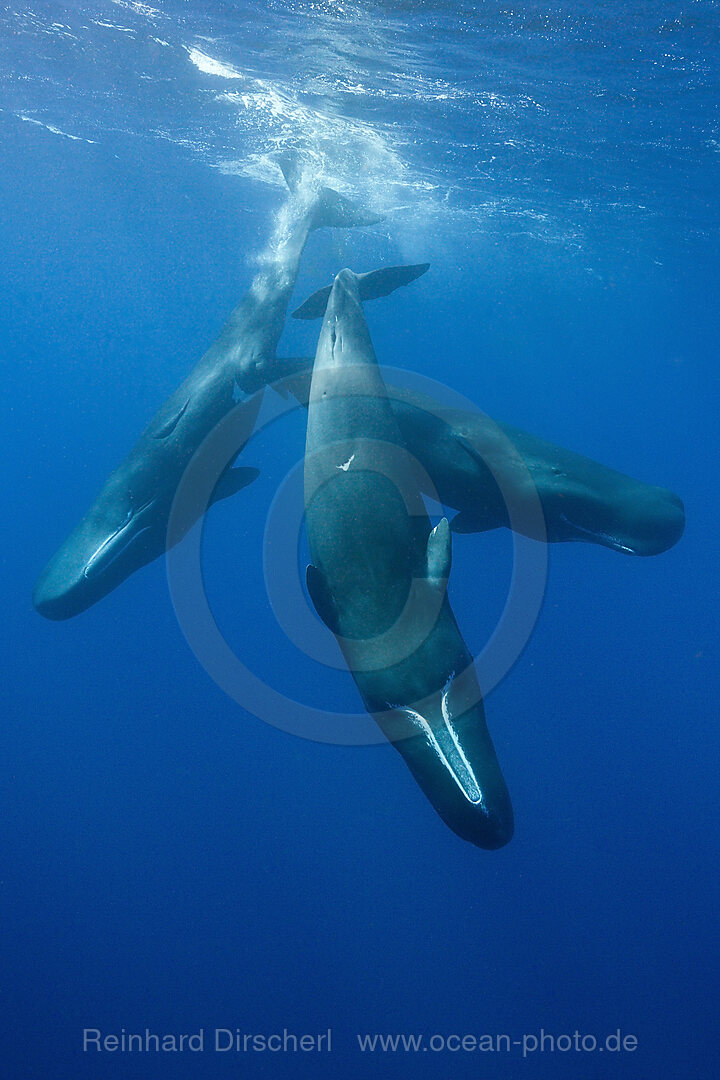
(232, 481)
(439, 553)
(320, 595)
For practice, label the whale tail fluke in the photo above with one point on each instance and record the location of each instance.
(332, 210)
(336, 211)
(290, 165)
(372, 285)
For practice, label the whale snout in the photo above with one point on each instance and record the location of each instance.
(642, 520)
(665, 525)
(647, 526)
(47, 605)
(62, 590)
(489, 825)
(93, 561)
(497, 831)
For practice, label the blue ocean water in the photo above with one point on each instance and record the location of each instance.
(172, 862)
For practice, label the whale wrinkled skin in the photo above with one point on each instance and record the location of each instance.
(378, 581)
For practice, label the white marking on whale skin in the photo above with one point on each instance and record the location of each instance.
(346, 465)
(106, 563)
(471, 780)
(597, 533)
(98, 558)
(452, 754)
(444, 707)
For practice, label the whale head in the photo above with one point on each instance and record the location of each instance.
(636, 519)
(120, 533)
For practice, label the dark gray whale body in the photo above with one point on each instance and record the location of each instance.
(378, 580)
(479, 467)
(476, 466)
(125, 527)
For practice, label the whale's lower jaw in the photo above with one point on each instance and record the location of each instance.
(455, 765)
(60, 594)
(597, 536)
(657, 530)
(61, 604)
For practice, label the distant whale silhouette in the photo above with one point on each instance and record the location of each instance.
(125, 527)
(378, 580)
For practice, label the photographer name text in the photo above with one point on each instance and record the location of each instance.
(219, 1040)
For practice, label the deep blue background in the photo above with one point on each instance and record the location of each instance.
(170, 861)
